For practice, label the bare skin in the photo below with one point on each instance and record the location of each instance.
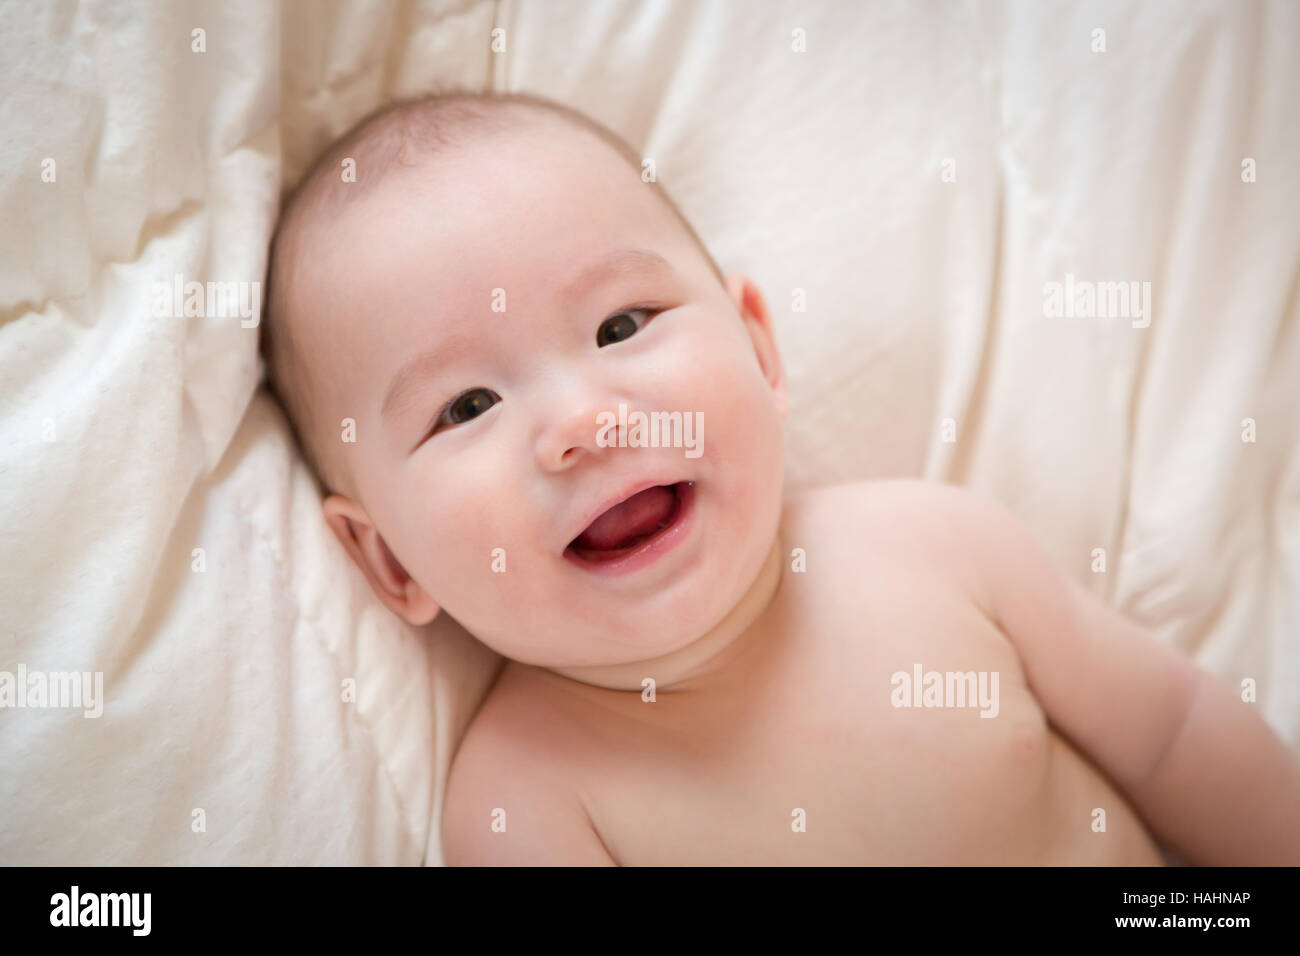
(773, 736)
(797, 713)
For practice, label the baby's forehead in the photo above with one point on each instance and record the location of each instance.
(496, 213)
(512, 206)
(478, 162)
(524, 144)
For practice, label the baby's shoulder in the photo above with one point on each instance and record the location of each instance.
(520, 754)
(909, 525)
(913, 507)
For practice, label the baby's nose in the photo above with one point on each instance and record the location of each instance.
(573, 425)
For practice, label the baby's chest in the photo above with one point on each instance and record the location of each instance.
(922, 744)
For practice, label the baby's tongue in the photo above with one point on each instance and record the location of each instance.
(640, 514)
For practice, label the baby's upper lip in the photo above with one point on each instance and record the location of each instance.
(631, 488)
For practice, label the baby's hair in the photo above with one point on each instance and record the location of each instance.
(406, 133)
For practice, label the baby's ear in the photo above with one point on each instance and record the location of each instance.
(367, 548)
(751, 305)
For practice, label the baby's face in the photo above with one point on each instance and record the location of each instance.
(535, 283)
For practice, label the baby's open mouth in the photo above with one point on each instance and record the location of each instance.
(629, 524)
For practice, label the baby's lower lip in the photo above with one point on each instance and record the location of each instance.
(648, 549)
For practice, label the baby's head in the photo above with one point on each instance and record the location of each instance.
(463, 293)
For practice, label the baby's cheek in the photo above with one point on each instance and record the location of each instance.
(738, 406)
(742, 439)
(471, 542)
(479, 562)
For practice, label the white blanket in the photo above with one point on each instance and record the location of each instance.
(917, 174)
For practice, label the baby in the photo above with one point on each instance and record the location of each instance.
(537, 405)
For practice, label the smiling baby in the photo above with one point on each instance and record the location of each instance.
(537, 405)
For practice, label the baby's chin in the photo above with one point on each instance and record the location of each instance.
(663, 633)
(693, 567)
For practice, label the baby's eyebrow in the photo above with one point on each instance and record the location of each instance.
(618, 263)
(418, 369)
(424, 365)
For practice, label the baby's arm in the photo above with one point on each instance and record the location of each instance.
(1206, 773)
(540, 821)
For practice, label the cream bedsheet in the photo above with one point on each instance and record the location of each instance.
(918, 174)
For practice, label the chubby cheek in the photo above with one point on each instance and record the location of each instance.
(742, 428)
(745, 475)
(473, 557)
(456, 537)
(740, 468)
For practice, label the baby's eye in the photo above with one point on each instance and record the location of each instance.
(619, 326)
(467, 405)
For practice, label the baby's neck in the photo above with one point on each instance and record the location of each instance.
(706, 655)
